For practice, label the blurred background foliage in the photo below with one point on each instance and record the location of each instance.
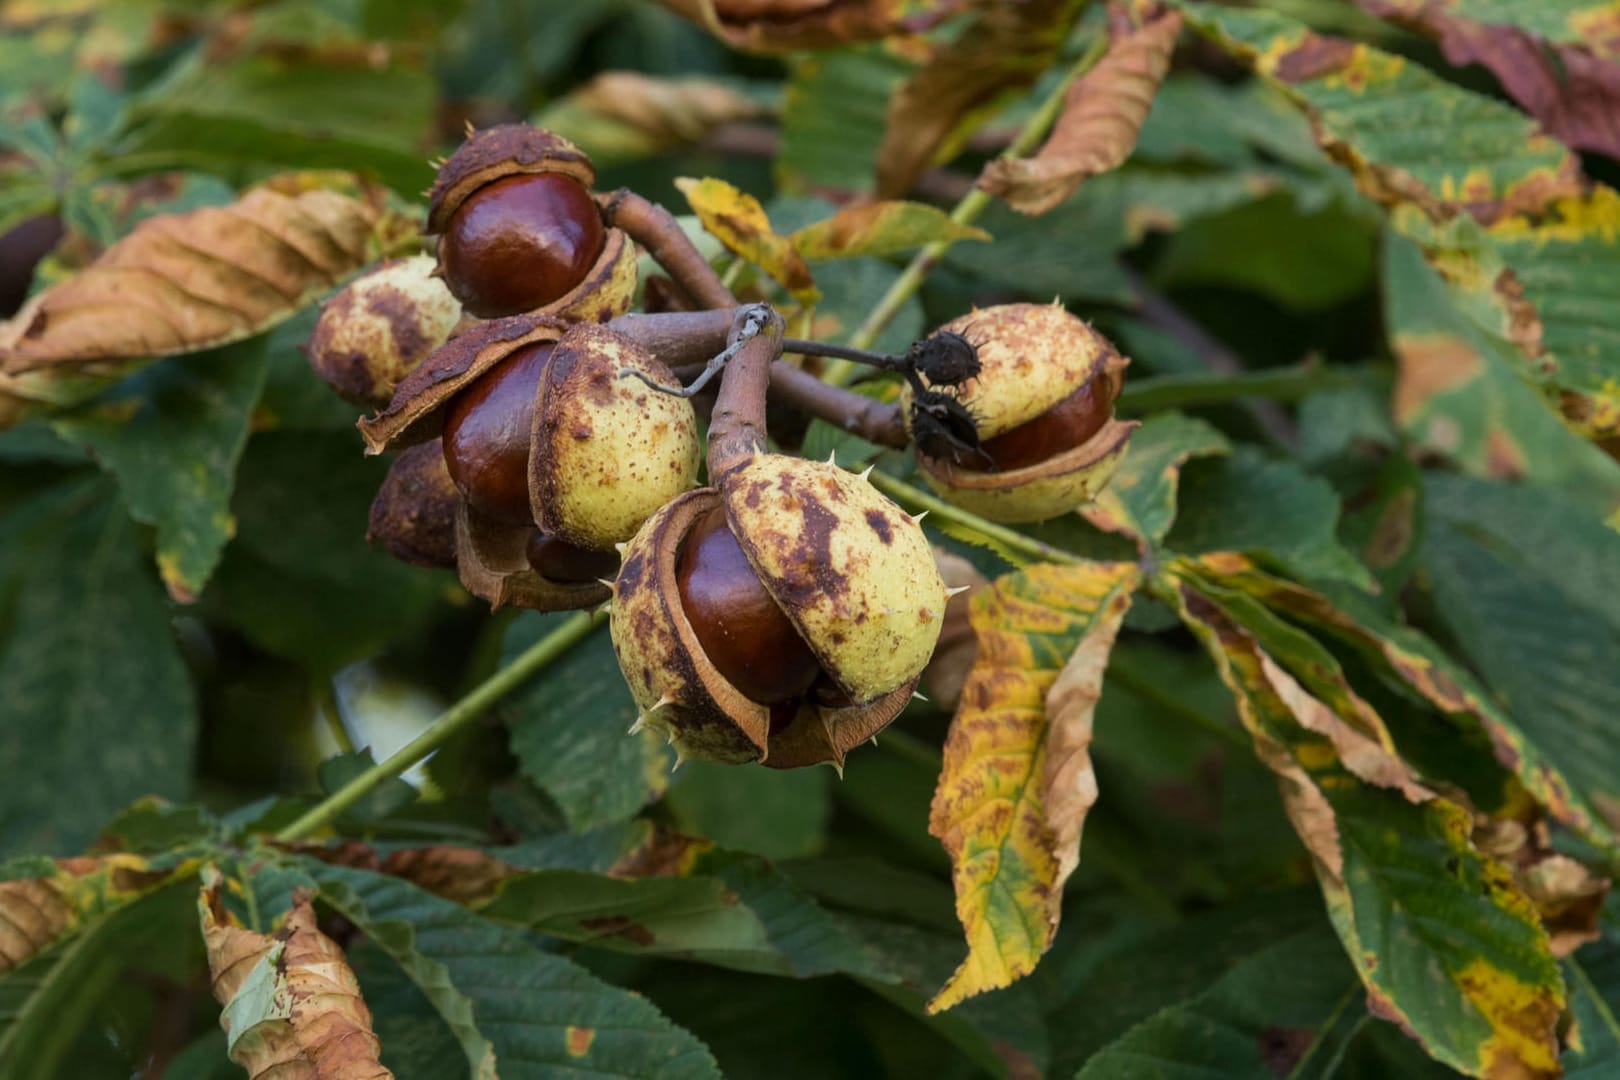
(1228, 245)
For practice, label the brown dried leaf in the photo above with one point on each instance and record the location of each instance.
(1102, 116)
(1572, 89)
(1566, 893)
(292, 1006)
(185, 282)
(622, 115)
(1005, 48)
(37, 912)
(781, 25)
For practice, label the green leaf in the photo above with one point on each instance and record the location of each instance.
(1140, 501)
(417, 1043)
(99, 708)
(269, 112)
(391, 795)
(733, 911)
(568, 731)
(1275, 509)
(515, 1009)
(833, 116)
(1404, 131)
(150, 826)
(777, 814)
(1593, 974)
(1410, 660)
(1443, 938)
(172, 436)
(1304, 259)
(880, 228)
(1522, 582)
(1461, 392)
(300, 580)
(1290, 1001)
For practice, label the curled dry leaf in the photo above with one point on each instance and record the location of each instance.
(781, 25)
(185, 282)
(1017, 779)
(292, 1006)
(1567, 894)
(1102, 116)
(36, 912)
(1571, 86)
(1005, 48)
(625, 114)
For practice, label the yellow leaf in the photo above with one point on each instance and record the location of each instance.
(292, 1005)
(738, 221)
(1017, 781)
(880, 228)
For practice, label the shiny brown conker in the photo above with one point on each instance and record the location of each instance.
(558, 560)
(753, 645)
(520, 243)
(1064, 426)
(486, 435)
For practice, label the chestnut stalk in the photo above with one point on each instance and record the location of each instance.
(656, 230)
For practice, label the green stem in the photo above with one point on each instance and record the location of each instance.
(966, 212)
(903, 492)
(1181, 391)
(452, 720)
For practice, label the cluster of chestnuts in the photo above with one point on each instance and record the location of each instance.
(551, 446)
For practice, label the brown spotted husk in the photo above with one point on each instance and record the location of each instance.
(494, 154)
(492, 562)
(414, 514)
(607, 450)
(609, 287)
(416, 412)
(380, 327)
(848, 568)
(1032, 357)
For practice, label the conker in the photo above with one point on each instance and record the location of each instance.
(1064, 426)
(783, 616)
(558, 560)
(743, 631)
(520, 243)
(1044, 440)
(486, 435)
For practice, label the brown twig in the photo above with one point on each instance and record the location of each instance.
(737, 426)
(678, 338)
(656, 230)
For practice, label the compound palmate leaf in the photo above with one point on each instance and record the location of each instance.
(184, 282)
(1547, 770)
(540, 1014)
(1554, 57)
(1445, 942)
(1017, 779)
